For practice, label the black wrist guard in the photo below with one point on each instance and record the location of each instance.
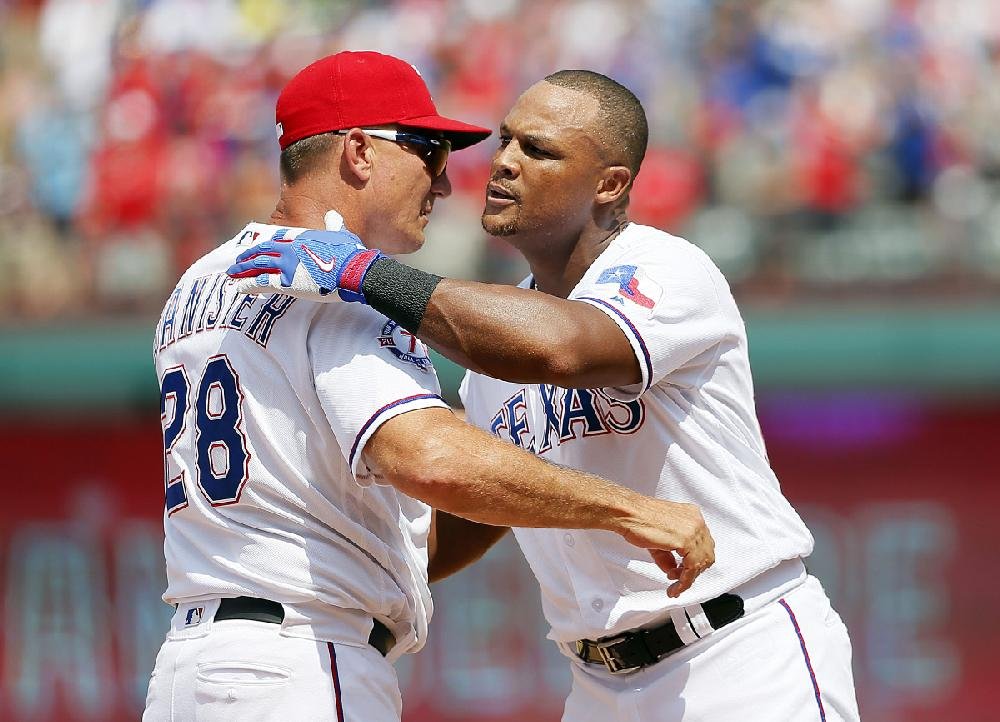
(399, 292)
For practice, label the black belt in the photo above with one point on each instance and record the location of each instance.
(264, 610)
(638, 648)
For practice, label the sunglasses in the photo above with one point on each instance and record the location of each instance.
(433, 151)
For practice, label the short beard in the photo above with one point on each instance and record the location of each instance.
(499, 230)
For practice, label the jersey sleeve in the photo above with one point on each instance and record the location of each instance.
(367, 370)
(668, 303)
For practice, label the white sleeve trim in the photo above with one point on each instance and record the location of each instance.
(635, 339)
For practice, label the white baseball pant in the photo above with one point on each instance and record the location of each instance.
(240, 670)
(787, 661)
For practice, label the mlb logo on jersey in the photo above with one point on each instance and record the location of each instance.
(404, 345)
(633, 284)
(194, 615)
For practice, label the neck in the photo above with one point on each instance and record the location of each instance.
(556, 269)
(300, 208)
(298, 211)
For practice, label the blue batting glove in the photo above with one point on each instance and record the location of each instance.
(311, 265)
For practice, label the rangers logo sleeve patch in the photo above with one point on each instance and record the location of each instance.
(633, 285)
(404, 345)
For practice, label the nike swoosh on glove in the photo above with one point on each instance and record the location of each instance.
(311, 265)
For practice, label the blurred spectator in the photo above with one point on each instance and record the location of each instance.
(812, 147)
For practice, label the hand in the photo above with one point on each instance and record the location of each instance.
(311, 266)
(667, 528)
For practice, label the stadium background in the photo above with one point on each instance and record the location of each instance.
(839, 159)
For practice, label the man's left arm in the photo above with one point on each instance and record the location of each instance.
(455, 543)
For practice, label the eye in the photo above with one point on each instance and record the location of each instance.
(504, 140)
(533, 150)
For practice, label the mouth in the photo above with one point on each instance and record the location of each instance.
(497, 195)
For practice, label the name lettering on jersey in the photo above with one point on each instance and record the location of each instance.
(238, 318)
(191, 306)
(209, 303)
(165, 328)
(567, 414)
(404, 345)
(217, 303)
(262, 325)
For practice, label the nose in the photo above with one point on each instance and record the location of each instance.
(441, 186)
(505, 162)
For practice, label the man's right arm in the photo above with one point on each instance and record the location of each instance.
(494, 330)
(431, 455)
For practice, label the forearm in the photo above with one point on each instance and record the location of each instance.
(459, 543)
(466, 472)
(432, 456)
(516, 334)
(512, 333)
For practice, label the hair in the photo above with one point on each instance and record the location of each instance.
(304, 156)
(622, 118)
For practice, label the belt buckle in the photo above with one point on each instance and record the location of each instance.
(611, 661)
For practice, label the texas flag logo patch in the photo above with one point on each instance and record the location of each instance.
(633, 285)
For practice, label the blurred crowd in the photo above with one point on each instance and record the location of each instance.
(817, 149)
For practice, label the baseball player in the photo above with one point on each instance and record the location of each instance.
(304, 442)
(624, 354)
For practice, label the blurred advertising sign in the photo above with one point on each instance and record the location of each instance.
(900, 496)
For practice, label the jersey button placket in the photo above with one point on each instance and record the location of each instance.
(578, 550)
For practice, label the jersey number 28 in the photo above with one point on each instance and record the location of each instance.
(220, 446)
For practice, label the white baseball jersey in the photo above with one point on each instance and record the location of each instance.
(687, 432)
(267, 403)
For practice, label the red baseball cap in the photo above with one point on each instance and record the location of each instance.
(359, 89)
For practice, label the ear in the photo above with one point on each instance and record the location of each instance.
(613, 184)
(358, 155)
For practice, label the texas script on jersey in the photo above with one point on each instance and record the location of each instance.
(568, 414)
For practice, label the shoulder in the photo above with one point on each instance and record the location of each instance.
(223, 255)
(664, 256)
(650, 243)
(358, 332)
(351, 327)
(666, 274)
(349, 317)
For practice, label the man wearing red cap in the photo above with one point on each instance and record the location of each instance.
(305, 443)
(622, 354)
